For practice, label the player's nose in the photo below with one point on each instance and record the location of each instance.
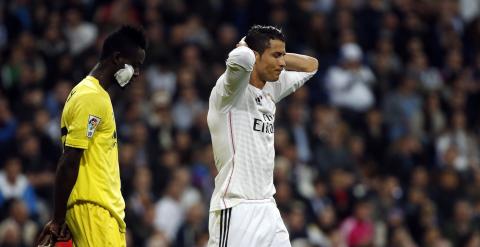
(282, 62)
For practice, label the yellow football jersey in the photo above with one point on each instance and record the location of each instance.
(88, 123)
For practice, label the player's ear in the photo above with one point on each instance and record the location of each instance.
(257, 55)
(117, 59)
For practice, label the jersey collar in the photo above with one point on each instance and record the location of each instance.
(96, 82)
(93, 79)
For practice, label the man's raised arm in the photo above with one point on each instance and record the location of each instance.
(299, 68)
(300, 63)
(240, 64)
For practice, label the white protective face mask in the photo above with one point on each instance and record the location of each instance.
(124, 75)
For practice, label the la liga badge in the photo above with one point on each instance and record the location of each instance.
(93, 122)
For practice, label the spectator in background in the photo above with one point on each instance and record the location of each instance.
(401, 238)
(10, 235)
(8, 126)
(140, 141)
(473, 192)
(196, 32)
(321, 231)
(473, 240)
(132, 113)
(15, 185)
(55, 100)
(39, 170)
(459, 145)
(341, 192)
(284, 196)
(34, 64)
(350, 84)
(359, 229)
(453, 65)
(11, 70)
(52, 45)
(159, 52)
(19, 216)
(79, 33)
(405, 154)
(187, 108)
(169, 213)
(227, 37)
(469, 10)
(320, 200)
(161, 120)
(296, 223)
(375, 133)
(429, 77)
(117, 12)
(448, 192)
(193, 231)
(333, 154)
(434, 117)
(161, 79)
(320, 38)
(298, 120)
(434, 238)
(461, 226)
(184, 145)
(140, 211)
(171, 208)
(390, 195)
(386, 65)
(402, 110)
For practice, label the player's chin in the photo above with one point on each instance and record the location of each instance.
(274, 77)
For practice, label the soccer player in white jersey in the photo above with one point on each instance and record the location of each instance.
(241, 119)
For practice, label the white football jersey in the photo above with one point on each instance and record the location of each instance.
(241, 121)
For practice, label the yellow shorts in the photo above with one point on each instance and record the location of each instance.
(92, 225)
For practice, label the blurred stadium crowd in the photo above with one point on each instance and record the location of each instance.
(380, 148)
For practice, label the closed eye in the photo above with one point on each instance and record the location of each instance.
(278, 54)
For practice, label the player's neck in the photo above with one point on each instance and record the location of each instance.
(102, 74)
(256, 81)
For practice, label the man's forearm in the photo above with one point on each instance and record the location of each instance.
(301, 63)
(65, 179)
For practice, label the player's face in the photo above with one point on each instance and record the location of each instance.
(136, 59)
(272, 61)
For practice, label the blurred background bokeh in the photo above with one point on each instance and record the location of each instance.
(379, 149)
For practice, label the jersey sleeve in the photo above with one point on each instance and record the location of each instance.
(84, 118)
(234, 81)
(288, 83)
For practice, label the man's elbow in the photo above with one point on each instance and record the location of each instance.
(243, 57)
(312, 65)
(70, 158)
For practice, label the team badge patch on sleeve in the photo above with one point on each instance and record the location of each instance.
(93, 122)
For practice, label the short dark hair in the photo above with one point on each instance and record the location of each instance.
(258, 37)
(122, 40)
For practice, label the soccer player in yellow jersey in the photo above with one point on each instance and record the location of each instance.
(88, 202)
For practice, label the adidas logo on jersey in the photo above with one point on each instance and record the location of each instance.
(258, 100)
